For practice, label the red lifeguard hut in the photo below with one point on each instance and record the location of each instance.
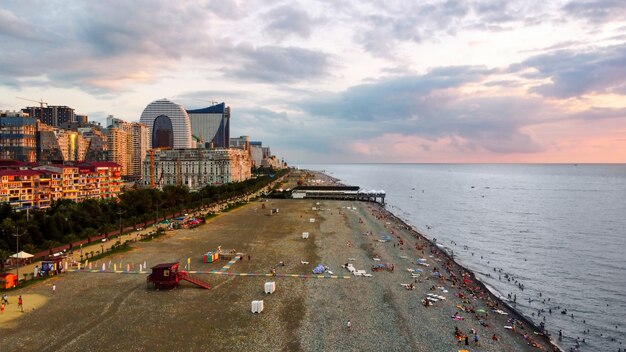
(7, 280)
(167, 276)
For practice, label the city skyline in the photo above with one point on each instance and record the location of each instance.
(325, 81)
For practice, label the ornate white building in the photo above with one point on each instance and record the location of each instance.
(196, 168)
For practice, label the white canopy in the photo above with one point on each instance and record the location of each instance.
(22, 255)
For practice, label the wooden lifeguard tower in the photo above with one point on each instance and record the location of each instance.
(167, 276)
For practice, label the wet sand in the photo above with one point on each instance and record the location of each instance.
(103, 312)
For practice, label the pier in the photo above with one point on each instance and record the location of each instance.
(338, 193)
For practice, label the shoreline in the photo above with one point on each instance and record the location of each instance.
(516, 314)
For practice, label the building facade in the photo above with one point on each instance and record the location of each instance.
(135, 145)
(52, 115)
(168, 125)
(18, 136)
(196, 168)
(118, 148)
(212, 125)
(72, 144)
(256, 153)
(24, 186)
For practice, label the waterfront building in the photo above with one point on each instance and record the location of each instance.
(27, 186)
(211, 125)
(18, 136)
(196, 168)
(168, 125)
(52, 115)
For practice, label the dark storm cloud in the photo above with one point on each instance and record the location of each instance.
(574, 73)
(274, 64)
(597, 11)
(287, 20)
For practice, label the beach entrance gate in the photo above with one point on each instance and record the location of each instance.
(167, 276)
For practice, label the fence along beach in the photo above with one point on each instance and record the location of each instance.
(304, 313)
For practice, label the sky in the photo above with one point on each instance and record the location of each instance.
(338, 81)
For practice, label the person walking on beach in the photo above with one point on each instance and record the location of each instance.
(54, 288)
(349, 325)
(2, 308)
(20, 304)
(494, 338)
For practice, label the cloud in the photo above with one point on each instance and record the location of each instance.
(104, 47)
(274, 64)
(575, 73)
(287, 20)
(597, 11)
(431, 107)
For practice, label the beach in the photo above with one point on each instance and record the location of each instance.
(104, 311)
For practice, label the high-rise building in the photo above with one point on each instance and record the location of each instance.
(52, 115)
(168, 125)
(98, 143)
(18, 136)
(48, 149)
(139, 147)
(118, 148)
(256, 153)
(212, 125)
(72, 144)
(136, 145)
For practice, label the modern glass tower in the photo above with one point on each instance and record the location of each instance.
(212, 125)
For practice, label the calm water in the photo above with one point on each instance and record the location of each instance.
(559, 230)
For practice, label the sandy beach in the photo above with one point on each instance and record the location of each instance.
(104, 311)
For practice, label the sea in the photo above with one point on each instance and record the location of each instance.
(548, 238)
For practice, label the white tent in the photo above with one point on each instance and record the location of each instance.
(22, 255)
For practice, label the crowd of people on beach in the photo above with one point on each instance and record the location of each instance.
(450, 275)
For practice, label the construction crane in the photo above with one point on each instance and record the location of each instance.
(40, 102)
(213, 102)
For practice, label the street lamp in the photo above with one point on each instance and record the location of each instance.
(17, 251)
(120, 234)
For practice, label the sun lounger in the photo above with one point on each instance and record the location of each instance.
(376, 259)
(368, 275)
(403, 257)
(304, 263)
